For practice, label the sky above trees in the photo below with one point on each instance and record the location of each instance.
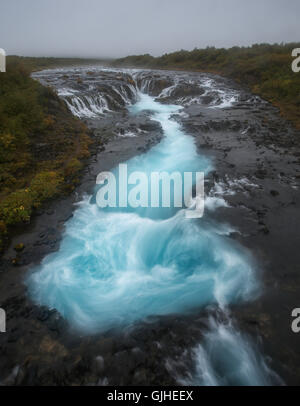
(116, 28)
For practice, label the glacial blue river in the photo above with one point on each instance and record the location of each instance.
(117, 267)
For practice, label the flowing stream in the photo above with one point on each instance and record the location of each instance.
(117, 267)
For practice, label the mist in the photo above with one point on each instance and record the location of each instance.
(116, 28)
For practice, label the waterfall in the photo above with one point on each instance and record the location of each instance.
(115, 268)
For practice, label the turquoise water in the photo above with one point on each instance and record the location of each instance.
(226, 357)
(115, 267)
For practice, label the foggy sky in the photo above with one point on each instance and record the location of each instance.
(113, 28)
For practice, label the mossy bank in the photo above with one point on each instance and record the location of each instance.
(42, 147)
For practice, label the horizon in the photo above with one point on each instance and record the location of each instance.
(116, 29)
(101, 58)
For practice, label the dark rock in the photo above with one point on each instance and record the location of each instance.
(19, 247)
(274, 193)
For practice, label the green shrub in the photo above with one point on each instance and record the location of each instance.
(45, 185)
(17, 207)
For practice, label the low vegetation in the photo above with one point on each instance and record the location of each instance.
(265, 69)
(36, 64)
(42, 145)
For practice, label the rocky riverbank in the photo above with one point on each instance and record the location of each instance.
(256, 155)
(256, 158)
